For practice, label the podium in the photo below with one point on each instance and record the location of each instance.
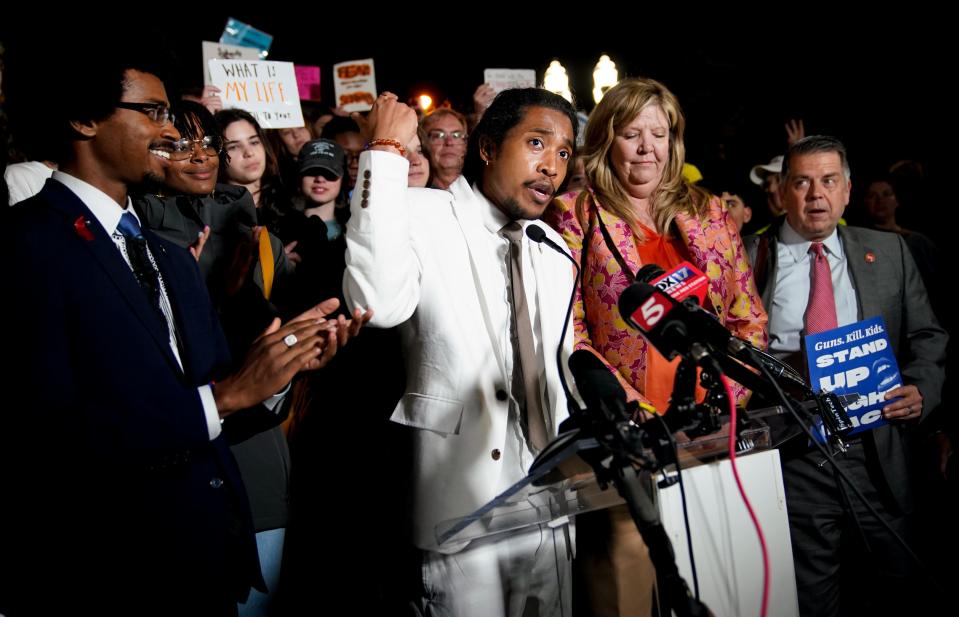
(725, 546)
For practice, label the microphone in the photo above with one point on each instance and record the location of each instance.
(683, 281)
(538, 234)
(684, 328)
(597, 385)
(757, 358)
(686, 281)
(674, 328)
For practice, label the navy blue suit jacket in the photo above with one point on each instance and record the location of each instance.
(106, 456)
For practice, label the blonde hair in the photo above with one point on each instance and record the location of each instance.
(674, 195)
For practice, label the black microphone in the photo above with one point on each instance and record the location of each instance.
(597, 385)
(684, 328)
(674, 328)
(758, 359)
(647, 273)
(538, 234)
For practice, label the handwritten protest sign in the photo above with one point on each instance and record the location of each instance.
(266, 89)
(505, 79)
(308, 82)
(222, 51)
(354, 83)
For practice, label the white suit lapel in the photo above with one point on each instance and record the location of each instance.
(486, 271)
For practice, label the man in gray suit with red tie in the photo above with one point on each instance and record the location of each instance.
(815, 275)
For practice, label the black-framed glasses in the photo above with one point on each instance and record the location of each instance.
(440, 135)
(183, 149)
(158, 112)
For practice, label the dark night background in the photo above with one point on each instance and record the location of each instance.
(878, 81)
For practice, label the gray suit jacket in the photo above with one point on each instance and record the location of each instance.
(887, 283)
(231, 215)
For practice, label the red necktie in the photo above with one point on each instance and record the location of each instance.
(821, 310)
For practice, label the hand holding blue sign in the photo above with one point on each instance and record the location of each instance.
(908, 407)
(858, 358)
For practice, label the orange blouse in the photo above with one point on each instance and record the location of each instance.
(710, 243)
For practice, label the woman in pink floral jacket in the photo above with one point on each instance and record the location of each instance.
(639, 210)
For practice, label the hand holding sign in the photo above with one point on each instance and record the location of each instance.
(908, 407)
(483, 98)
(858, 359)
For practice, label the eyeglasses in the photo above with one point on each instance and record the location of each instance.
(183, 149)
(440, 135)
(157, 112)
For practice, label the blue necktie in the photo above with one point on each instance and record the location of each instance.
(143, 269)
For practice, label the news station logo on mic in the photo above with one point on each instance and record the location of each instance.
(855, 359)
(683, 281)
(665, 308)
(651, 310)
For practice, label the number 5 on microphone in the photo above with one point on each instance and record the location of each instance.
(650, 312)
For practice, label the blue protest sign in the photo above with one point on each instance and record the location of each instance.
(855, 359)
(238, 33)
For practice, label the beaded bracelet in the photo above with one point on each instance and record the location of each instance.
(387, 142)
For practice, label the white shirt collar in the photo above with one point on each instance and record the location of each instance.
(104, 208)
(798, 246)
(493, 218)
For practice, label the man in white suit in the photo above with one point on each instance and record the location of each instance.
(480, 308)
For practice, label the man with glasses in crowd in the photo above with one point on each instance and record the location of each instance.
(120, 492)
(446, 134)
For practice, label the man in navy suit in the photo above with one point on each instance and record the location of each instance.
(120, 494)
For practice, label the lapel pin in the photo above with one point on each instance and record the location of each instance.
(870, 257)
(81, 226)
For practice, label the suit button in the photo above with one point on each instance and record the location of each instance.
(365, 194)
(496, 454)
(501, 395)
(366, 184)
(216, 483)
(366, 173)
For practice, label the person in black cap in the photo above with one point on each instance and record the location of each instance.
(322, 165)
(312, 226)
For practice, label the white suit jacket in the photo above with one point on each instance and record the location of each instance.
(423, 260)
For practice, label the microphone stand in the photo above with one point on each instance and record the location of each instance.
(620, 460)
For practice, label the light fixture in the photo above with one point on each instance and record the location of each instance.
(556, 80)
(605, 76)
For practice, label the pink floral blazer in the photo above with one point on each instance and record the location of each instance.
(714, 247)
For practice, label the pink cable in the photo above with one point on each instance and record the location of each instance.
(742, 491)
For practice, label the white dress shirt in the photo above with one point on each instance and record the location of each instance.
(793, 282)
(517, 456)
(24, 180)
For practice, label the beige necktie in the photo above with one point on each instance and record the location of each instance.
(527, 372)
